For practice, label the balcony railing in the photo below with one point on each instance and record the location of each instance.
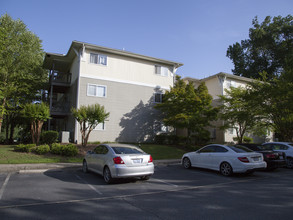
(60, 108)
(60, 78)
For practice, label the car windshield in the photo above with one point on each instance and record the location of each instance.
(126, 150)
(265, 147)
(240, 149)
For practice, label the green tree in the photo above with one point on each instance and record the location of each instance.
(185, 106)
(21, 58)
(274, 98)
(37, 115)
(88, 118)
(238, 111)
(269, 48)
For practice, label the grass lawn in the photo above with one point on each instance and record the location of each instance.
(9, 156)
(161, 152)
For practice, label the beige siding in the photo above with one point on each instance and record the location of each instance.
(131, 111)
(125, 69)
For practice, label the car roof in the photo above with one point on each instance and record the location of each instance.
(120, 145)
(278, 143)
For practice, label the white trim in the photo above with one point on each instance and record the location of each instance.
(96, 85)
(99, 55)
(123, 81)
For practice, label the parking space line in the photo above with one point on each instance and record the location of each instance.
(162, 181)
(4, 185)
(89, 185)
(129, 195)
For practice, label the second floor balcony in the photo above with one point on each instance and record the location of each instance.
(60, 78)
(60, 108)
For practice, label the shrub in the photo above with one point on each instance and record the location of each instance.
(42, 149)
(161, 139)
(49, 137)
(69, 150)
(65, 150)
(56, 149)
(24, 147)
(247, 139)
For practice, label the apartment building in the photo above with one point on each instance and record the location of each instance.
(127, 84)
(216, 85)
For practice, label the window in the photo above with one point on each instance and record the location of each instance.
(231, 83)
(98, 59)
(126, 150)
(220, 149)
(207, 149)
(161, 70)
(240, 149)
(101, 149)
(231, 130)
(96, 90)
(158, 97)
(100, 127)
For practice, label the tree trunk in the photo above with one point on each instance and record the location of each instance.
(2, 113)
(39, 130)
(7, 129)
(12, 127)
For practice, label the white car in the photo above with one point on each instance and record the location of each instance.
(286, 147)
(226, 159)
(118, 161)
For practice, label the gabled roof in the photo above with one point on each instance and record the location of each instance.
(221, 74)
(51, 58)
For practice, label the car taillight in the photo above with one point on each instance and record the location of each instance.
(243, 159)
(271, 156)
(118, 160)
(151, 159)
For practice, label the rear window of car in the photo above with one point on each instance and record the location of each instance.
(126, 150)
(240, 149)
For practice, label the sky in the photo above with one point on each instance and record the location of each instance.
(196, 33)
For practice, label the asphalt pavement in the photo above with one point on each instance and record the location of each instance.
(39, 167)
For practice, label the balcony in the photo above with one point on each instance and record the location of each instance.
(60, 109)
(60, 81)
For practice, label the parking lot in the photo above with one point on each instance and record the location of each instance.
(172, 193)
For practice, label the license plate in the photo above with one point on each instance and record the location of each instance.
(136, 160)
(255, 158)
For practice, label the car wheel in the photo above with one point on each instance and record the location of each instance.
(84, 166)
(289, 162)
(226, 169)
(186, 163)
(107, 175)
(145, 177)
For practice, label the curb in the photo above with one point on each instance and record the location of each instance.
(43, 167)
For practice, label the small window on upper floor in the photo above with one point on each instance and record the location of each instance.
(231, 83)
(98, 59)
(161, 70)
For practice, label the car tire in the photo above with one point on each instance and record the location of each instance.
(145, 177)
(107, 175)
(226, 169)
(186, 163)
(289, 163)
(84, 167)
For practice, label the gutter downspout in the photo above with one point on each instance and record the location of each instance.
(80, 57)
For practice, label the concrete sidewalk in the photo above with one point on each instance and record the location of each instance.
(10, 168)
